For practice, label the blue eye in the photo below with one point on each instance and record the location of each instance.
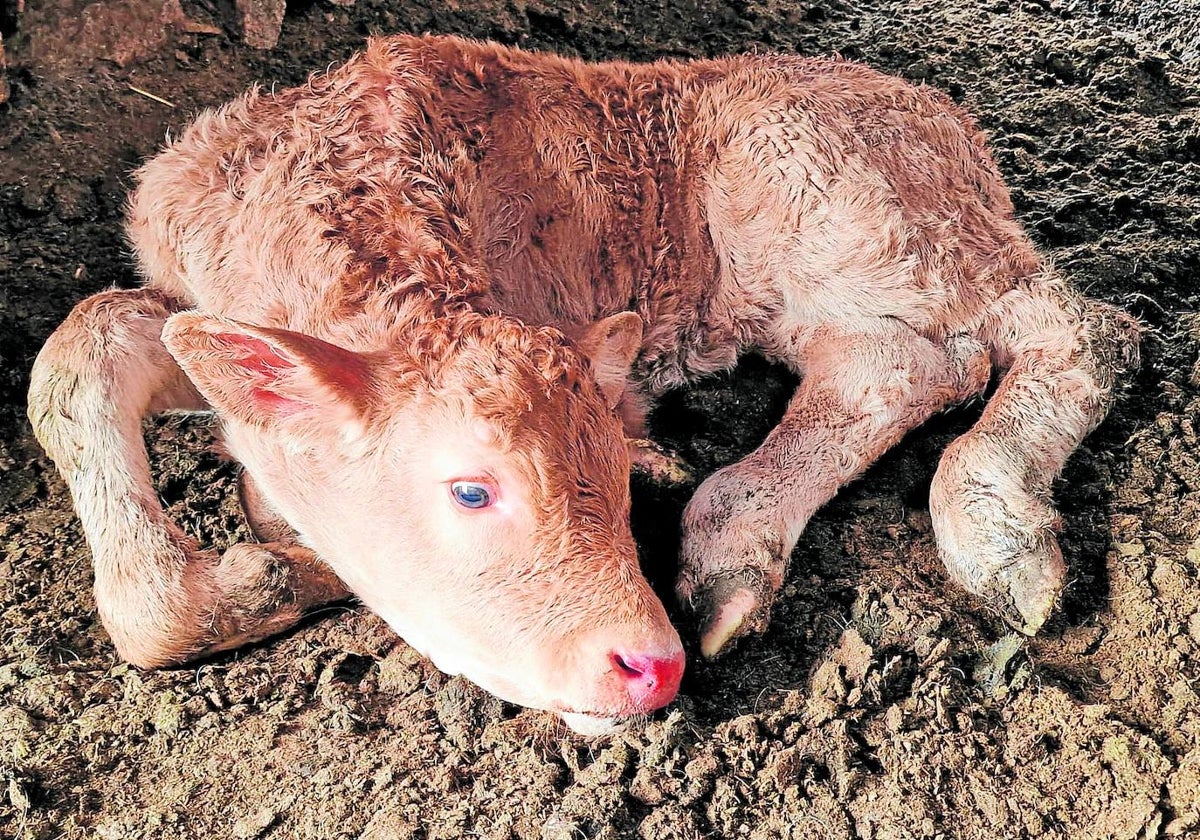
(471, 494)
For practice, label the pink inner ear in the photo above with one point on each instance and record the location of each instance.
(286, 373)
(263, 358)
(265, 361)
(275, 403)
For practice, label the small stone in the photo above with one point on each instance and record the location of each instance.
(254, 825)
(463, 709)
(613, 763)
(398, 674)
(15, 723)
(1183, 791)
(702, 770)
(854, 655)
(383, 777)
(671, 820)
(827, 683)
(114, 827)
(389, 823)
(74, 200)
(1130, 549)
(919, 521)
(821, 710)
(169, 714)
(1170, 578)
(262, 21)
(991, 671)
(646, 787)
(33, 198)
(32, 668)
(659, 465)
(196, 707)
(558, 827)
(17, 796)
(1193, 553)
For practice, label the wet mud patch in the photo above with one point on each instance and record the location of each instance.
(883, 702)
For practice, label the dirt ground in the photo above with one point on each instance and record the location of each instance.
(883, 703)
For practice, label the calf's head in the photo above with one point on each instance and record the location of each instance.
(470, 484)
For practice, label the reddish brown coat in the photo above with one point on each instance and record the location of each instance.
(452, 250)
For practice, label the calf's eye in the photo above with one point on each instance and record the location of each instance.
(471, 494)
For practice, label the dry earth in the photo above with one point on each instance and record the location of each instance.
(882, 704)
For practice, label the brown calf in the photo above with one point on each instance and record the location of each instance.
(421, 290)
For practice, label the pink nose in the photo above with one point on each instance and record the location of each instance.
(651, 681)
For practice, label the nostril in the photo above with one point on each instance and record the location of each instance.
(648, 681)
(651, 672)
(624, 667)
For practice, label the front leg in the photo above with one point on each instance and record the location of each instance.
(862, 390)
(161, 598)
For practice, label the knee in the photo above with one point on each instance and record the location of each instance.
(712, 505)
(982, 483)
(974, 476)
(106, 326)
(882, 374)
(150, 626)
(111, 324)
(949, 486)
(144, 640)
(969, 365)
(146, 650)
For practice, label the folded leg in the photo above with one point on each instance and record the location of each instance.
(990, 499)
(161, 598)
(862, 390)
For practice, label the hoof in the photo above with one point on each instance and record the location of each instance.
(731, 606)
(1026, 591)
(659, 464)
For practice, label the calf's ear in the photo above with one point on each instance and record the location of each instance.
(611, 344)
(269, 377)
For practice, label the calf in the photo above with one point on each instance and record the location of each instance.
(432, 292)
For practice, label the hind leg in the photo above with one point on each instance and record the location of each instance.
(862, 390)
(161, 598)
(990, 499)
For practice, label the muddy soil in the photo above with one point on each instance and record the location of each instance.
(883, 703)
